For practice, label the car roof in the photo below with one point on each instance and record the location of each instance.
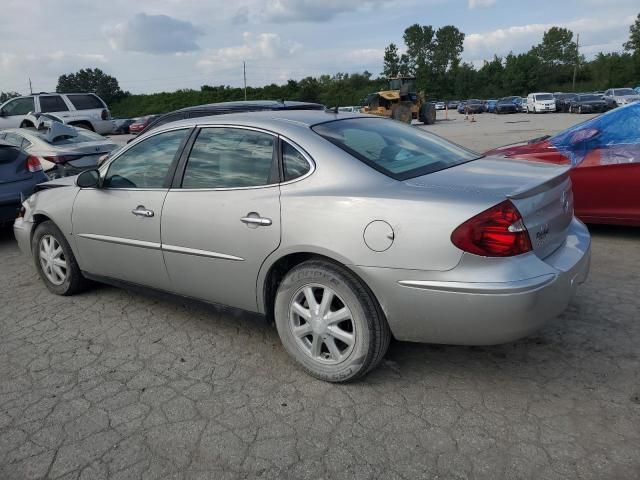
(248, 104)
(305, 118)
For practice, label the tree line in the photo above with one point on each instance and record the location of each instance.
(433, 56)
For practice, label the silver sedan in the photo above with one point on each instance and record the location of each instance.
(343, 229)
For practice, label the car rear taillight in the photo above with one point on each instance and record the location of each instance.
(33, 164)
(62, 158)
(496, 232)
(105, 115)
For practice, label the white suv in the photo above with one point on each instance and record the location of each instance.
(540, 102)
(85, 110)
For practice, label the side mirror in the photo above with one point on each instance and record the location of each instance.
(2, 112)
(88, 179)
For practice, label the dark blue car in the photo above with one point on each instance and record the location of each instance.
(19, 174)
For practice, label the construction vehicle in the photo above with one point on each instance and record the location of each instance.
(401, 102)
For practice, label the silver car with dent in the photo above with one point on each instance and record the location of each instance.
(343, 228)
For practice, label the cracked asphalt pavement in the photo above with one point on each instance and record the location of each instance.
(112, 384)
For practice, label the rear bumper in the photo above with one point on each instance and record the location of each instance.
(482, 301)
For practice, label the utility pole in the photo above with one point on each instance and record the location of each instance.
(575, 66)
(30, 88)
(244, 74)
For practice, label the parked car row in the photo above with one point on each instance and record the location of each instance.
(542, 102)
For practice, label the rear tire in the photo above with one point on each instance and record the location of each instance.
(55, 261)
(427, 114)
(335, 341)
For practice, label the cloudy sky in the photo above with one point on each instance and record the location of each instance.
(156, 45)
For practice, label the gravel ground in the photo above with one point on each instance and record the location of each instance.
(121, 385)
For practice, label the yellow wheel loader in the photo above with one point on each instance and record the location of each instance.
(401, 102)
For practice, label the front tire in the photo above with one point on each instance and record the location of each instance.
(329, 322)
(55, 261)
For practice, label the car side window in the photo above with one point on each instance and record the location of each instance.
(19, 106)
(294, 164)
(146, 164)
(230, 158)
(52, 103)
(85, 102)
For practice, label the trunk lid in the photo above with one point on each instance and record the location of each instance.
(540, 191)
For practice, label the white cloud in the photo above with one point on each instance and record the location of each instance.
(481, 3)
(262, 46)
(157, 34)
(313, 10)
(593, 31)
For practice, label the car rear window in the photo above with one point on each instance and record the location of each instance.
(394, 149)
(85, 102)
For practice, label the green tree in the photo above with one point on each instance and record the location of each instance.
(419, 40)
(391, 61)
(557, 47)
(447, 48)
(633, 44)
(91, 80)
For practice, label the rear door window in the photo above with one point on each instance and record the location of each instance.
(85, 102)
(52, 103)
(230, 158)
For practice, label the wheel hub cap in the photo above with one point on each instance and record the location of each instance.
(52, 260)
(322, 324)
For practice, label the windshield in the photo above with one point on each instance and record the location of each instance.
(83, 136)
(544, 96)
(623, 92)
(589, 98)
(397, 150)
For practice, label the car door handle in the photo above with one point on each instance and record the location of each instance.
(141, 211)
(265, 222)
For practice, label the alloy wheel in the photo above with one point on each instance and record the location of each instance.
(52, 260)
(322, 324)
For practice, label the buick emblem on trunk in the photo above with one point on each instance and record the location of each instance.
(542, 234)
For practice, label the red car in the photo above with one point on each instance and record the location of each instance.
(140, 123)
(605, 154)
